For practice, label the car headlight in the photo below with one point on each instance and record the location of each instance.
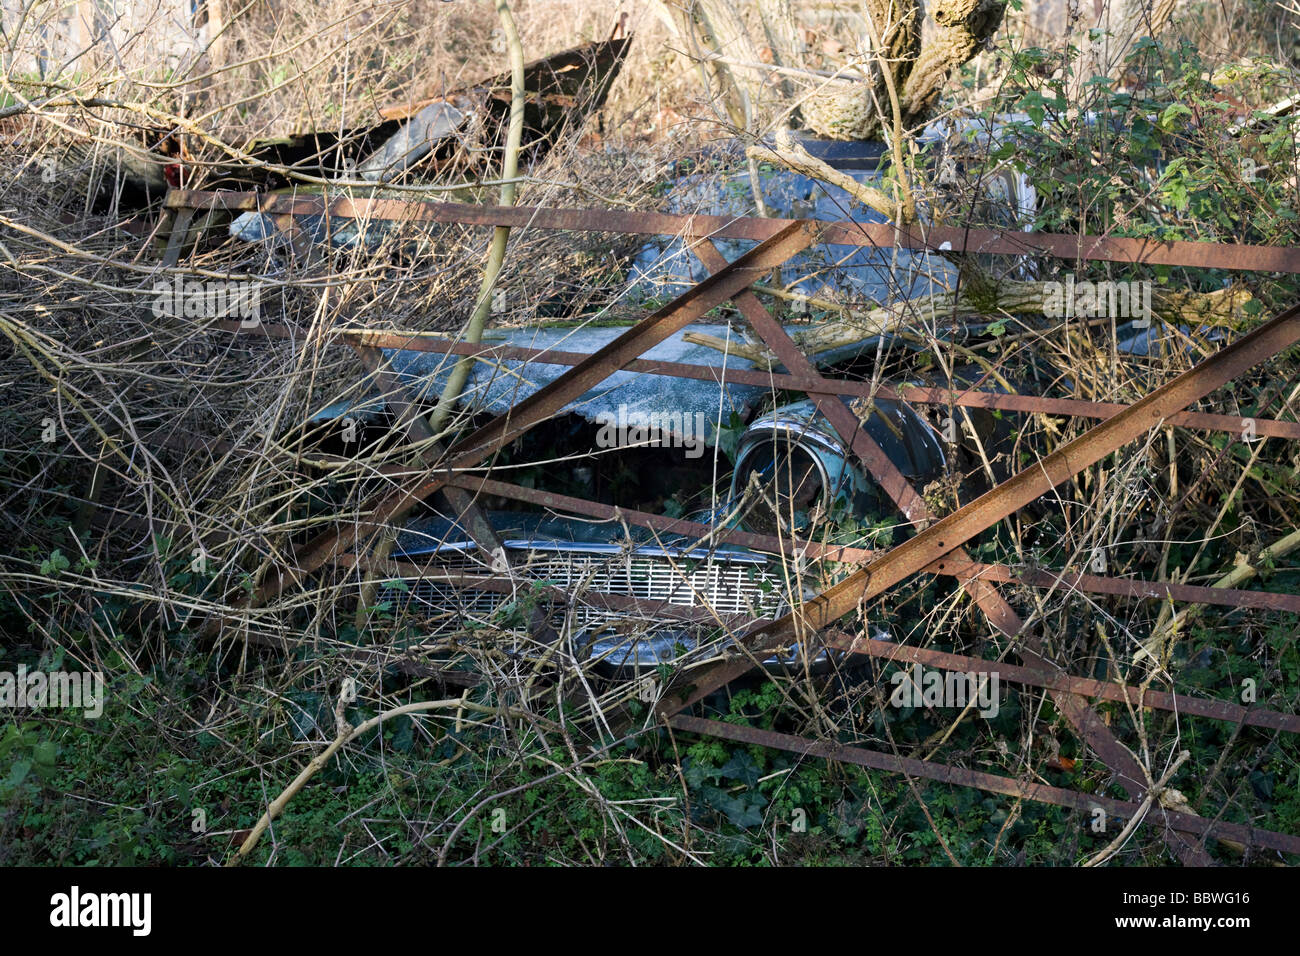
(793, 466)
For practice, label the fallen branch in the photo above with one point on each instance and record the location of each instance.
(347, 733)
(1157, 646)
(1157, 792)
(797, 159)
(1222, 308)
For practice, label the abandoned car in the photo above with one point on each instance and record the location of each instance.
(718, 453)
(724, 455)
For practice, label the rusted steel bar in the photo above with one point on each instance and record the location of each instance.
(954, 566)
(970, 398)
(1060, 681)
(541, 405)
(999, 612)
(880, 235)
(959, 565)
(992, 783)
(220, 200)
(178, 232)
(931, 545)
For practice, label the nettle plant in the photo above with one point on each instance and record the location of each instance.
(1174, 153)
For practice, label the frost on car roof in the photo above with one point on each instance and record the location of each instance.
(496, 387)
(663, 266)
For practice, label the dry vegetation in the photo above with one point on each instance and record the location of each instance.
(150, 473)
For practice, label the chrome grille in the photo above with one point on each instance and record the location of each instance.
(728, 582)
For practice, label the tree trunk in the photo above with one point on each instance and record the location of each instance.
(892, 45)
(895, 77)
(1124, 23)
(963, 27)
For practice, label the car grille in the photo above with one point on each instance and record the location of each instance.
(727, 582)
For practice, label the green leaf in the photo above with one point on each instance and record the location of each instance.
(43, 753)
(1169, 117)
(55, 563)
(741, 767)
(18, 773)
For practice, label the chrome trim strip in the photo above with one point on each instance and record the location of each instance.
(641, 551)
(802, 429)
(728, 555)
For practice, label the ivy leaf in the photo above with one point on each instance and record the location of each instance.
(1262, 784)
(741, 767)
(404, 738)
(747, 814)
(696, 773)
(741, 810)
(727, 437)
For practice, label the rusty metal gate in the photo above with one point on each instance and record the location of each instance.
(937, 548)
